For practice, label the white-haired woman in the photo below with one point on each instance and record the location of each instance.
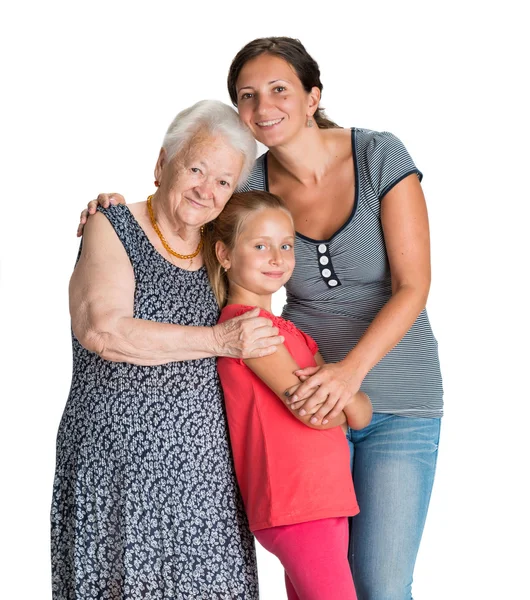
(145, 502)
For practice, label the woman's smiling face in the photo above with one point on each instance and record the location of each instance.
(198, 182)
(272, 101)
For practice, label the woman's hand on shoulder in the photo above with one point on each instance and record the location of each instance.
(326, 392)
(246, 336)
(104, 200)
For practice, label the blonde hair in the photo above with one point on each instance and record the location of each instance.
(227, 227)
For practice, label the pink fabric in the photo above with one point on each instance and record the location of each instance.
(287, 472)
(315, 558)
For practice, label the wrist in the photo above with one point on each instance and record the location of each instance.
(214, 340)
(355, 368)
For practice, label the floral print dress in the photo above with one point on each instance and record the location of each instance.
(145, 501)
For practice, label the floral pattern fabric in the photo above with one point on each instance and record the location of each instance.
(145, 501)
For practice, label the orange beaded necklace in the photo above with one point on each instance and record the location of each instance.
(163, 239)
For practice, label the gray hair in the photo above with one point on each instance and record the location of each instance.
(215, 118)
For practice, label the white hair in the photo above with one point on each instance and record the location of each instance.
(214, 118)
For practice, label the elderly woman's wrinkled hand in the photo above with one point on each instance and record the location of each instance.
(246, 336)
(104, 200)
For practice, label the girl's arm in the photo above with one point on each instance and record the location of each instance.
(101, 306)
(277, 372)
(406, 231)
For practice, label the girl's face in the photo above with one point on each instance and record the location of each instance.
(272, 101)
(263, 257)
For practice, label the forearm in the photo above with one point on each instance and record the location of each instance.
(277, 372)
(143, 342)
(388, 328)
(359, 412)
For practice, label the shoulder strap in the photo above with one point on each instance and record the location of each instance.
(127, 229)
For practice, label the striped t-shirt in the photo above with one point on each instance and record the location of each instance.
(340, 284)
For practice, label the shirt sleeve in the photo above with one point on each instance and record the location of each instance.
(257, 179)
(311, 344)
(388, 162)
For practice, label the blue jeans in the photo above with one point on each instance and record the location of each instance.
(393, 462)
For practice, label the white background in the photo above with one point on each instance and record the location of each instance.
(88, 91)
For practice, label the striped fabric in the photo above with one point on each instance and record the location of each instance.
(340, 284)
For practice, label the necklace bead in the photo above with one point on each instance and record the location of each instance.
(163, 239)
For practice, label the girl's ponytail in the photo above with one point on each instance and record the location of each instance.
(216, 273)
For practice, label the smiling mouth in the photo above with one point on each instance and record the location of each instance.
(274, 274)
(195, 203)
(269, 123)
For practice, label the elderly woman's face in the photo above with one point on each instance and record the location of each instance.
(198, 182)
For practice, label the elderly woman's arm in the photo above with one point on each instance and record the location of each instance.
(101, 306)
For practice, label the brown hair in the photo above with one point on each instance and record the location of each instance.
(226, 228)
(293, 52)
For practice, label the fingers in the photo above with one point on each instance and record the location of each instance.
(329, 410)
(258, 332)
(309, 411)
(249, 336)
(267, 336)
(318, 398)
(116, 199)
(290, 391)
(261, 352)
(102, 199)
(82, 220)
(251, 314)
(262, 347)
(308, 371)
(307, 388)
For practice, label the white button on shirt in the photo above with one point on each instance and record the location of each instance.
(326, 272)
(322, 248)
(324, 260)
(332, 282)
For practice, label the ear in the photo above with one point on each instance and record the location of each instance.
(223, 256)
(314, 101)
(160, 164)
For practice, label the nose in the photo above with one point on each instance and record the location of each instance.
(205, 189)
(263, 104)
(276, 257)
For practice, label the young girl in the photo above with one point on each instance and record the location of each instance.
(294, 477)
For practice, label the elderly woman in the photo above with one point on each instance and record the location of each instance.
(145, 501)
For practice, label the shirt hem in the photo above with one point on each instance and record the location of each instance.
(419, 414)
(304, 518)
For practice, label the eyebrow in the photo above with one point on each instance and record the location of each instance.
(250, 87)
(225, 174)
(268, 237)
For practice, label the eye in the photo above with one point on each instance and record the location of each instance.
(287, 247)
(260, 246)
(224, 183)
(280, 88)
(195, 170)
(246, 96)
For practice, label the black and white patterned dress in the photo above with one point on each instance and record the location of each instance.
(145, 501)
